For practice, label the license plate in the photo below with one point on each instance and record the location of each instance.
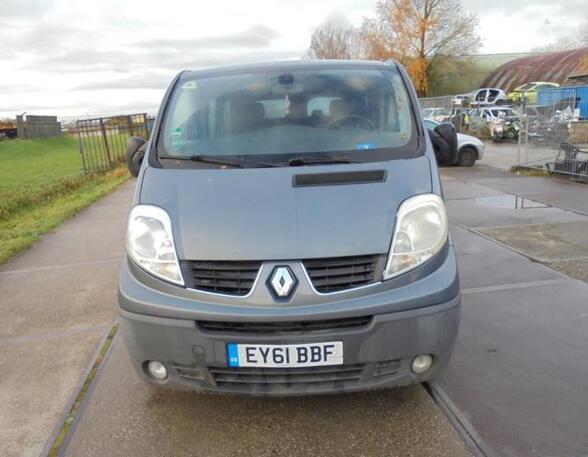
(285, 355)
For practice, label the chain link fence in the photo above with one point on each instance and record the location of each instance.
(103, 140)
(555, 132)
(550, 126)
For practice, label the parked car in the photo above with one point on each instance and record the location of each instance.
(469, 148)
(461, 100)
(488, 96)
(437, 114)
(481, 116)
(288, 234)
(527, 93)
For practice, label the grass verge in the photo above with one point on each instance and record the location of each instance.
(529, 171)
(20, 229)
(68, 423)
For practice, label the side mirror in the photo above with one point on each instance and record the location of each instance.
(134, 154)
(448, 145)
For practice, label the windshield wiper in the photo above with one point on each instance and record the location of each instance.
(299, 161)
(227, 162)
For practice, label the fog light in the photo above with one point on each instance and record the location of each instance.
(157, 369)
(421, 363)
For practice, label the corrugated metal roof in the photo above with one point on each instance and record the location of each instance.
(553, 67)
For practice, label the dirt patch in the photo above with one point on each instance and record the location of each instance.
(563, 246)
(575, 268)
(545, 242)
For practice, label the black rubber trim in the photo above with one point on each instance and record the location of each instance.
(337, 179)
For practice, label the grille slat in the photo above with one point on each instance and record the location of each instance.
(285, 327)
(222, 277)
(256, 378)
(298, 371)
(226, 265)
(288, 380)
(228, 274)
(342, 273)
(351, 280)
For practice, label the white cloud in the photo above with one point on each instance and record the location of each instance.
(71, 57)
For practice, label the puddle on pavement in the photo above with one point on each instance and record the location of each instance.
(509, 202)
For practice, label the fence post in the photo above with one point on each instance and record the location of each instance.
(526, 139)
(130, 124)
(105, 137)
(82, 147)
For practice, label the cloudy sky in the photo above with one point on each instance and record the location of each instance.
(83, 58)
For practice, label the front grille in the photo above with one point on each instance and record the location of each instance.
(340, 273)
(276, 379)
(285, 327)
(221, 277)
(290, 380)
(386, 368)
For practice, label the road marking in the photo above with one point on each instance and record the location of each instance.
(57, 267)
(16, 340)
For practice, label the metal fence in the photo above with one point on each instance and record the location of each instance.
(554, 134)
(447, 109)
(550, 126)
(103, 140)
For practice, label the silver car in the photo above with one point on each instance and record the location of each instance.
(469, 148)
(288, 235)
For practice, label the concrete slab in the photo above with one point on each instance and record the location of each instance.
(501, 155)
(56, 301)
(483, 263)
(506, 210)
(70, 246)
(474, 173)
(575, 199)
(126, 418)
(530, 185)
(519, 371)
(36, 381)
(454, 189)
(547, 241)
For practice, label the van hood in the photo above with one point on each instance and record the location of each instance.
(258, 214)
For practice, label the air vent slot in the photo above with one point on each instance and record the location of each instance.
(340, 178)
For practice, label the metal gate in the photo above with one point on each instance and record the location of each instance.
(103, 140)
(555, 134)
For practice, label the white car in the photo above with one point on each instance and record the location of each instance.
(488, 96)
(469, 147)
(437, 114)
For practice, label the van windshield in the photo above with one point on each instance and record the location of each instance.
(275, 115)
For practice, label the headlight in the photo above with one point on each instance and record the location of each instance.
(150, 243)
(420, 232)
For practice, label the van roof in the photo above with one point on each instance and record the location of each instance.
(284, 65)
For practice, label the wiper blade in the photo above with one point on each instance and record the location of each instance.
(300, 161)
(227, 162)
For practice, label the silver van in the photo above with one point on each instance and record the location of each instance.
(288, 234)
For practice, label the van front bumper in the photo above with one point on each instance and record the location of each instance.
(377, 354)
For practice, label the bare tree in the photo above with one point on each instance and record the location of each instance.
(561, 44)
(331, 42)
(583, 32)
(417, 31)
(575, 40)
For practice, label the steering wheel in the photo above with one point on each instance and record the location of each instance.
(340, 122)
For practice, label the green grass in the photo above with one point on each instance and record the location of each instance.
(41, 185)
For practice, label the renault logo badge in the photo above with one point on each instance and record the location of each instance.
(282, 281)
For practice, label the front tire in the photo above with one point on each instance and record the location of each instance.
(467, 157)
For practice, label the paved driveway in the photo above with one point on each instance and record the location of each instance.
(516, 385)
